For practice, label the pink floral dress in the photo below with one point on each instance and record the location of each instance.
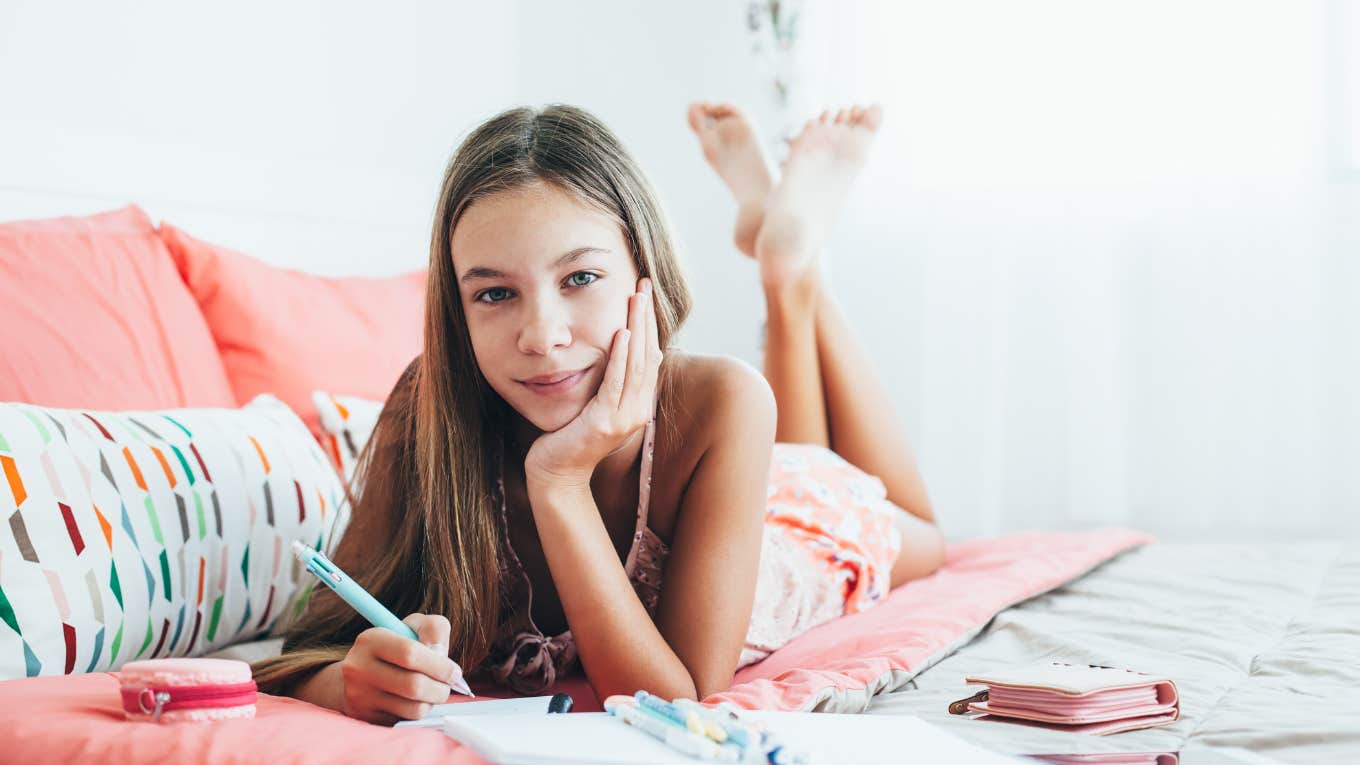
(828, 548)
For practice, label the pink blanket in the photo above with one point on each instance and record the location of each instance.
(839, 666)
(836, 667)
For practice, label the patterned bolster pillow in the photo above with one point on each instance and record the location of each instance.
(139, 535)
(347, 422)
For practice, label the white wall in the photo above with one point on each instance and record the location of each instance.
(1105, 253)
(1127, 252)
(310, 134)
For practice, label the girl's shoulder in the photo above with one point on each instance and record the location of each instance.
(711, 405)
(710, 394)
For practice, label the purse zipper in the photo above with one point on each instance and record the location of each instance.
(155, 700)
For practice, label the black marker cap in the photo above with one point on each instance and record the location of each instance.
(559, 704)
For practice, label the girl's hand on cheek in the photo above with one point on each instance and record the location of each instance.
(623, 404)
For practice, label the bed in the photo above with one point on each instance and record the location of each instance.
(1262, 638)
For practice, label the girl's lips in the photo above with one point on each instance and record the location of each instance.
(556, 388)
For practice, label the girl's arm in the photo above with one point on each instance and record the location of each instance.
(705, 608)
(325, 688)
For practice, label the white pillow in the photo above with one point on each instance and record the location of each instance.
(133, 535)
(347, 423)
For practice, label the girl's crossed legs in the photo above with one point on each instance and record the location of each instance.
(825, 385)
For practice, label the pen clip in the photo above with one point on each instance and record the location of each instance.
(319, 559)
(326, 574)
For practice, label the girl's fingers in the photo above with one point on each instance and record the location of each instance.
(432, 629)
(395, 650)
(408, 684)
(611, 387)
(637, 348)
(402, 708)
(653, 334)
(653, 355)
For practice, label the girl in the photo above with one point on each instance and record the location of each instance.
(542, 488)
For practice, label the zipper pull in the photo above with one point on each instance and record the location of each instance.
(961, 706)
(158, 698)
(162, 698)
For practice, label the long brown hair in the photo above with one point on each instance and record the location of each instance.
(424, 535)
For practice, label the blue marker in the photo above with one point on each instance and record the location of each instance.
(367, 605)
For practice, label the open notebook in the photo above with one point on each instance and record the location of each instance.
(526, 705)
(518, 739)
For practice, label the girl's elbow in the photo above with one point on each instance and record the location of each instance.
(705, 687)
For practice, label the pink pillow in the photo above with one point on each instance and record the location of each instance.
(96, 317)
(290, 333)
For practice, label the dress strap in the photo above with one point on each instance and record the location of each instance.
(516, 568)
(644, 494)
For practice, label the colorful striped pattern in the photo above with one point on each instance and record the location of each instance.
(346, 423)
(129, 535)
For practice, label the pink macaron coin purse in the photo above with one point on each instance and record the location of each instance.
(187, 690)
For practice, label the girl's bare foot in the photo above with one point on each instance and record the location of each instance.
(731, 147)
(823, 160)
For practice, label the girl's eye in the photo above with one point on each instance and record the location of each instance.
(488, 296)
(493, 295)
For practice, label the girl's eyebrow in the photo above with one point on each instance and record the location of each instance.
(482, 272)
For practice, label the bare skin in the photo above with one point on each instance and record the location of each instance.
(823, 161)
(823, 380)
(730, 145)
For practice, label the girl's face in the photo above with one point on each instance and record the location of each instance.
(544, 281)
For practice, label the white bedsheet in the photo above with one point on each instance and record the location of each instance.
(1262, 639)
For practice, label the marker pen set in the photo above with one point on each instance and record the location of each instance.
(701, 732)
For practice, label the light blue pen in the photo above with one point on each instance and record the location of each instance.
(367, 605)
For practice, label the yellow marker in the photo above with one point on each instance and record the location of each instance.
(715, 731)
(694, 724)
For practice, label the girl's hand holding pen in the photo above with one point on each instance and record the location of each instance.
(394, 670)
(388, 677)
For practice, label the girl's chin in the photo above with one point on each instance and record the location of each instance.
(549, 419)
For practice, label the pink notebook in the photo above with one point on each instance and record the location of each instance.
(1095, 700)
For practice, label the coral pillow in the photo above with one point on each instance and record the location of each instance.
(95, 316)
(289, 333)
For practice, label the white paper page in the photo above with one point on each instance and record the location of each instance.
(530, 705)
(596, 738)
(588, 737)
(831, 738)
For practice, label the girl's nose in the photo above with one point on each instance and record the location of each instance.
(546, 329)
